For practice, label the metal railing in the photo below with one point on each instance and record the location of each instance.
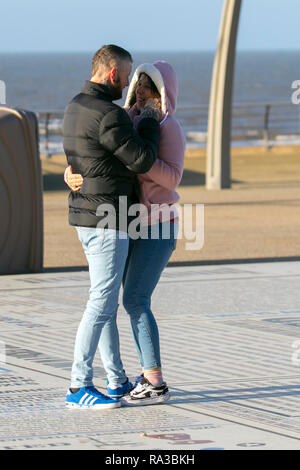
(46, 118)
(263, 122)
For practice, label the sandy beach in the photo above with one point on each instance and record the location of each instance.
(257, 218)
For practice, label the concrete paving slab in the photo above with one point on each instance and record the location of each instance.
(230, 338)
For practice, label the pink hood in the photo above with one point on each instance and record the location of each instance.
(158, 185)
(164, 77)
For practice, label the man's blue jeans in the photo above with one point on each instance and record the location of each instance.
(106, 252)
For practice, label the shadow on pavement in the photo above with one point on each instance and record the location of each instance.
(54, 182)
(187, 263)
(178, 395)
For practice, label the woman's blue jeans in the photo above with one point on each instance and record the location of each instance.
(146, 260)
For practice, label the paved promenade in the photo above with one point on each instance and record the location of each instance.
(230, 337)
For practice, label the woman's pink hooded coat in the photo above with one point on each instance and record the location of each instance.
(158, 186)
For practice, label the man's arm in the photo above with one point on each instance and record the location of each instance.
(136, 149)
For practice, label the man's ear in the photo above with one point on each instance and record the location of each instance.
(112, 74)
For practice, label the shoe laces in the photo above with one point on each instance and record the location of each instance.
(138, 380)
(139, 384)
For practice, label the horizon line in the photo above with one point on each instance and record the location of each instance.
(148, 51)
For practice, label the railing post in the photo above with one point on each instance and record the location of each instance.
(266, 126)
(47, 119)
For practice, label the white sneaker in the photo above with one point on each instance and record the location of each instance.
(146, 394)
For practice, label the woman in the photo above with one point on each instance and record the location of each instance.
(149, 254)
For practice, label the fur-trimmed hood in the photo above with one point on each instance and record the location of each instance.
(164, 77)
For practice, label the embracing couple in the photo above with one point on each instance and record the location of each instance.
(135, 154)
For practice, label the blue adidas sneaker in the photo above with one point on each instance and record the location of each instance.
(119, 391)
(90, 397)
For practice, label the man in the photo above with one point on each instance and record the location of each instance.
(101, 144)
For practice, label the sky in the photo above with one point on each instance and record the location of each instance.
(137, 25)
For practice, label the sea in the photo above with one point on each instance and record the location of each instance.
(47, 82)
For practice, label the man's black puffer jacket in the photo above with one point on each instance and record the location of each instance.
(101, 144)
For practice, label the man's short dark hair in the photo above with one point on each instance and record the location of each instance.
(108, 56)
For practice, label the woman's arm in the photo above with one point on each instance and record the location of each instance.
(168, 168)
(74, 181)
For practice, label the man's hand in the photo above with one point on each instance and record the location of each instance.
(73, 181)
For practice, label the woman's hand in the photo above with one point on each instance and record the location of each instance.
(152, 109)
(154, 103)
(74, 181)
